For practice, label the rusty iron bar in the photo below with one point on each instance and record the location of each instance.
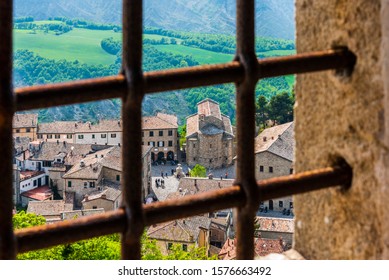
(245, 112)
(340, 59)
(7, 238)
(132, 126)
(60, 94)
(115, 221)
(43, 96)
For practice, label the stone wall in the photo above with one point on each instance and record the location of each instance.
(211, 151)
(147, 139)
(344, 117)
(108, 205)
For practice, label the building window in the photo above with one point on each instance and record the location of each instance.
(270, 169)
(49, 136)
(194, 145)
(40, 136)
(169, 246)
(94, 207)
(17, 130)
(69, 136)
(57, 136)
(291, 171)
(170, 143)
(170, 133)
(28, 129)
(93, 136)
(92, 184)
(151, 144)
(46, 163)
(194, 159)
(184, 247)
(113, 135)
(210, 146)
(81, 136)
(118, 178)
(103, 135)
(151, 133)
(261, 168)
(161, 144)
(85, 185)
(34, 183)
(281, 204)
(69, 184)
(143, 134)
(160, 133)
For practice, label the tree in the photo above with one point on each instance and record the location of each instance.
(281, 108)
(261, 114)
(198, 171)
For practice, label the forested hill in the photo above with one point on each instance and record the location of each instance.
(275, 18)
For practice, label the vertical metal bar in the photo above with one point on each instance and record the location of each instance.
(246, 128)
(7, 238)
(132, 117)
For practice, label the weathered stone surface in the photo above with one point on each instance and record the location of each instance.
(344, 117)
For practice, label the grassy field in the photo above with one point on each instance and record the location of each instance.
(78, 44)
(84, 45)
(202, 56)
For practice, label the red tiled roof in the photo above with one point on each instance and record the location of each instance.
(41, 193)
(262, 247)
(25, 120)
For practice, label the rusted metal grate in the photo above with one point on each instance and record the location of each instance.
(131, 85)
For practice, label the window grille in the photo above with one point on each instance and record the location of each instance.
(131, 85)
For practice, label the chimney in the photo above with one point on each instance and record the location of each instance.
(86, 197)
(195, 182)
(119, 123)
(82, 163)
(264, 139)
(219, 185)
(104, 196)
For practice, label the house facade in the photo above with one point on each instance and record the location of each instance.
(161, 133)
(274, 158)
(25, 125)
(209, 140)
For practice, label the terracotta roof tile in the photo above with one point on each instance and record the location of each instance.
(208, 107)
(278, 140)
(160, 121)
(25, 120)
(71, 215)
(185, 230)
(58, 127)
(51, 207)
(41, 193)
(276, 224)
(262, 247)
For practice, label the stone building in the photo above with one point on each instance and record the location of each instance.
(100, 174)
(56, 131)
(161, 133)
(274, 158)
(209, 136)
(25, 125)
(104, 132)
(192, 231)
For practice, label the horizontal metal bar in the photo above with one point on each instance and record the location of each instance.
(112, 222)
(51, 95)
(337, 59)
(43, 96)
(196, 76)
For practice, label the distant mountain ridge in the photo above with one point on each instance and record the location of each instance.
(274, 18)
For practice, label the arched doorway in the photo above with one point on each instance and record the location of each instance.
(152, 157)
(270, 204)
(170, 155)
(161, 156)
